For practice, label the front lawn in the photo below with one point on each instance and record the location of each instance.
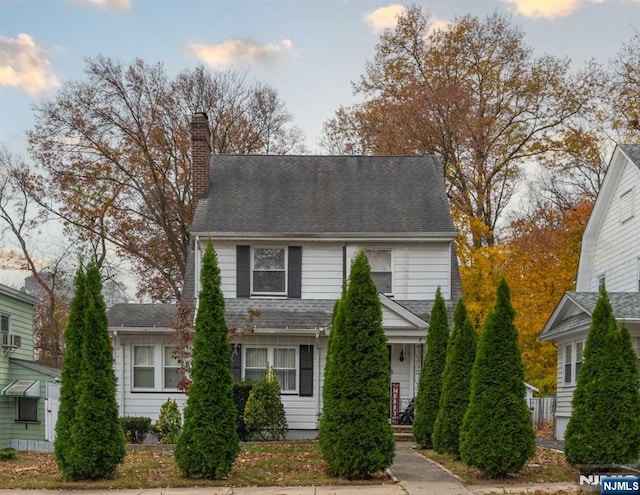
(547, 466)
(259, 464)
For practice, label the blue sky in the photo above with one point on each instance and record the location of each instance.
(310, 51)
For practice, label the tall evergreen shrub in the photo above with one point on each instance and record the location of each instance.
(209, 442)
(456, 383)
(497, 435)
(70, 377)
(96, 434)
(430, 384)
(604, 427)
(358, 412)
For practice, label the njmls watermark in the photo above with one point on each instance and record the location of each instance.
(609, 480)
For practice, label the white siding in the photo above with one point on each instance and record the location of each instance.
(321, 271)
(616, 249)
(418, 269)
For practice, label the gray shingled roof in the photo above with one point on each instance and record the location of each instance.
(294, 314)
(324, 195)
(625, 305)
(40, 368)
(632, 151)
(142, 315)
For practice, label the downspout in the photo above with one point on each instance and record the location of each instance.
(117, 341)
(318, 410)
(196, 274)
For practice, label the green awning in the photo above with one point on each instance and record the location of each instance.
(22, 388)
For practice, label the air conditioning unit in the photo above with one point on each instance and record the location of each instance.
(10, 341)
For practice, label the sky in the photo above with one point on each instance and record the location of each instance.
(309, 51)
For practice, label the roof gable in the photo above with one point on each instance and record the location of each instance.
(575, 309)
(324, 196)
(623, 156)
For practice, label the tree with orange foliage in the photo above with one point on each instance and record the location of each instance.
(544, 250)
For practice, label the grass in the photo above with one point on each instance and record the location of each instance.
(546, 466)
(259, 464)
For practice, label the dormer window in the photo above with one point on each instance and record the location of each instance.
(380, 262)
(269, 271)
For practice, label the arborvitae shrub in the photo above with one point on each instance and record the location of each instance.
(430, 384)
(264, 413)
(97, 436)
(604, 427)
(70, 376)
(456, 383)
(209, 443)
(357, 414)
(497, 436)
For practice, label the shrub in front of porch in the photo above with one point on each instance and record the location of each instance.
(209, 442)
(496, 435)
(430, 384)
(456, 383)
(357, 412)
(605, 423)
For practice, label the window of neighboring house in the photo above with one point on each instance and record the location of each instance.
(638, 274)
(170, 366)
(143, 367)
(380, 262)
(269, 271)
(4, 323)
(579, 351)
(601, 282)
(568, 361)
(26, 409)
(627, 205)
(283, 361)
(636, 347)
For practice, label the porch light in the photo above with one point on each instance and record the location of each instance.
(402, 353)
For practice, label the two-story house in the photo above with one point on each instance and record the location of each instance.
(285, 229)
(610, 256)
(28, 391)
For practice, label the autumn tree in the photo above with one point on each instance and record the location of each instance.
(496, 434)
(598, 434)
(456, 383)
(357, 415)
(475, 94)
(113, 151)
(544, 250)
(430, 384)
(21, 220)
(209, 441)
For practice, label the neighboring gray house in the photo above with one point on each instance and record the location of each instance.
(285, 229)
(610, 255)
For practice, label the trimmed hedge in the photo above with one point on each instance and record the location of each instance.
(135, 428)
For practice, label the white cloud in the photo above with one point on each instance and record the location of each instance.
(384, 17)
(436, 24)
(240, 50)
(23, 66)
(552, 9)
(117, 5)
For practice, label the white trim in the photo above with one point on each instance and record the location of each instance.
(401, 311)
(330, 236)
(285, 270)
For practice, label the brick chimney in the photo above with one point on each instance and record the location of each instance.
(200, 155)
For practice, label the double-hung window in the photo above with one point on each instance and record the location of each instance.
(572, 361)
(269, 275)
(380, 262)
(143, 367)
(4, 323)
(282, 360)
(171, 375)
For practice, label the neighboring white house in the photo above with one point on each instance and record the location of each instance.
(285, 229)
(610, 255)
